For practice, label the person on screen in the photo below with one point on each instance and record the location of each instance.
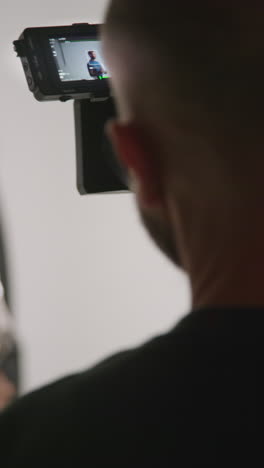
(94, 67)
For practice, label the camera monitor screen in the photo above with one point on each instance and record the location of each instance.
(78, 59)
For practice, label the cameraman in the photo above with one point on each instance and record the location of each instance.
(193, 141)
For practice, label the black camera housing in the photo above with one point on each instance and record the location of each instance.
(34, 50)
(98, 170)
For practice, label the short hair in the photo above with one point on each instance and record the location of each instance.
(213, 64)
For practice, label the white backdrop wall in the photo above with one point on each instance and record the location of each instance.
(86, 279)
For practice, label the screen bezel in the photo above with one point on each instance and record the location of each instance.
(50, 83)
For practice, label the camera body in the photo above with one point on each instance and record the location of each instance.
(66, 62)
(63, 62)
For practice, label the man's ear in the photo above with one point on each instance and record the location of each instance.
(136, 152)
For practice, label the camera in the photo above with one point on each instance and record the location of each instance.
(63, 62)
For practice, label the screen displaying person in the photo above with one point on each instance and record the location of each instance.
(94, 67)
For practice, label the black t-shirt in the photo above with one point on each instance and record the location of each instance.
(188, 398)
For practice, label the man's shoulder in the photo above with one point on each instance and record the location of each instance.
(95, 404)
(131, 399)
(127, 371)
(126, 375)
(96, 384)
(67, 388)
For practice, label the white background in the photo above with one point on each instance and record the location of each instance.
(87, 281)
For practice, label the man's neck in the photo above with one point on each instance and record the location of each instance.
(223, 254)
(236, 280)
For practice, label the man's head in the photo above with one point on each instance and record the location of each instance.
(92, 54)
(188, 81)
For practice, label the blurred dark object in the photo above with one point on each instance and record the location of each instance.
(3, 267)
(7, 391)
(9, 362)
(8, 345)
